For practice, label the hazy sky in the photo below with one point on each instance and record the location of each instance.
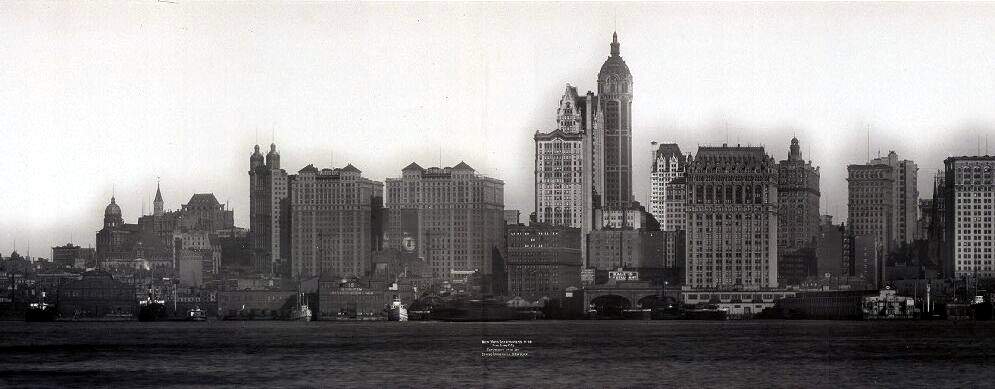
(95, 96)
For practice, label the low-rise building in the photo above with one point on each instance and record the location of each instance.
(96, 295)
(737, 303)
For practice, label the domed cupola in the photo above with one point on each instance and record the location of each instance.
(795, 152)
(614, 78)
(112, 214)
(256, 159)
(273, 157)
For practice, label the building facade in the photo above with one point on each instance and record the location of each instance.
(732, 218)
(542, 260)
(635, 249)
(336, 222)
(269, 187)
(675, 205)
(969, 201)
(562, 197)
(452, 217)
(797, 201)
(668, 164)
(871, 205)
(72, 255)
(884, 200)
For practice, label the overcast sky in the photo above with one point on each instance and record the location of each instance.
(95, 96)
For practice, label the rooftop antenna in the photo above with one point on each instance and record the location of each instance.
(979, 144)
(867, 127)
(257, 135)
(727, 131)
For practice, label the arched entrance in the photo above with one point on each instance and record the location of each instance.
(610, 306)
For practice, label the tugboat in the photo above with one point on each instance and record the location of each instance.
(196, 314)
(41, 311)
(151, 309)
(397, 311)
(301, 312)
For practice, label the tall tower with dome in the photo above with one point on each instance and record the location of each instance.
(615, 109)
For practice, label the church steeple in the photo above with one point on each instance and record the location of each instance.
(157, 203)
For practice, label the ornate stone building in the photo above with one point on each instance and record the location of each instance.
(798, 200)
(451, 217)
(798, 217)
(336, 222)
(562, 165)
(732, 218)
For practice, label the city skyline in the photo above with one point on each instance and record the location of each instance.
(83, 123)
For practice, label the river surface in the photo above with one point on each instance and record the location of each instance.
(791, 354)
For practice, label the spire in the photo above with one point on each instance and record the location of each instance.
(615, 44)
(157, 203)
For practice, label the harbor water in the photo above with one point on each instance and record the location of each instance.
(690, 354)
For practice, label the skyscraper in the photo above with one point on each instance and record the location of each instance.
(269, 186)
(798, 217)
(613, 137)
(667, 165)
(335, 222)
(884, 200)
(562, 166)
(797, 200)
(970, 203)
(451, 217)
(732, 218)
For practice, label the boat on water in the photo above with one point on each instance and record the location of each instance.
(196, 314)
(473, 310)
(40, 311)
(397, 311)
(302, 312)
(706, 312)
(152, 308)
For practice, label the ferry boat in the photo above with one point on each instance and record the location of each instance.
(151, 309)
(196, 314)
(40, 311)
(397, 311)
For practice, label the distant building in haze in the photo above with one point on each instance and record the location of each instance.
(884, 200)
